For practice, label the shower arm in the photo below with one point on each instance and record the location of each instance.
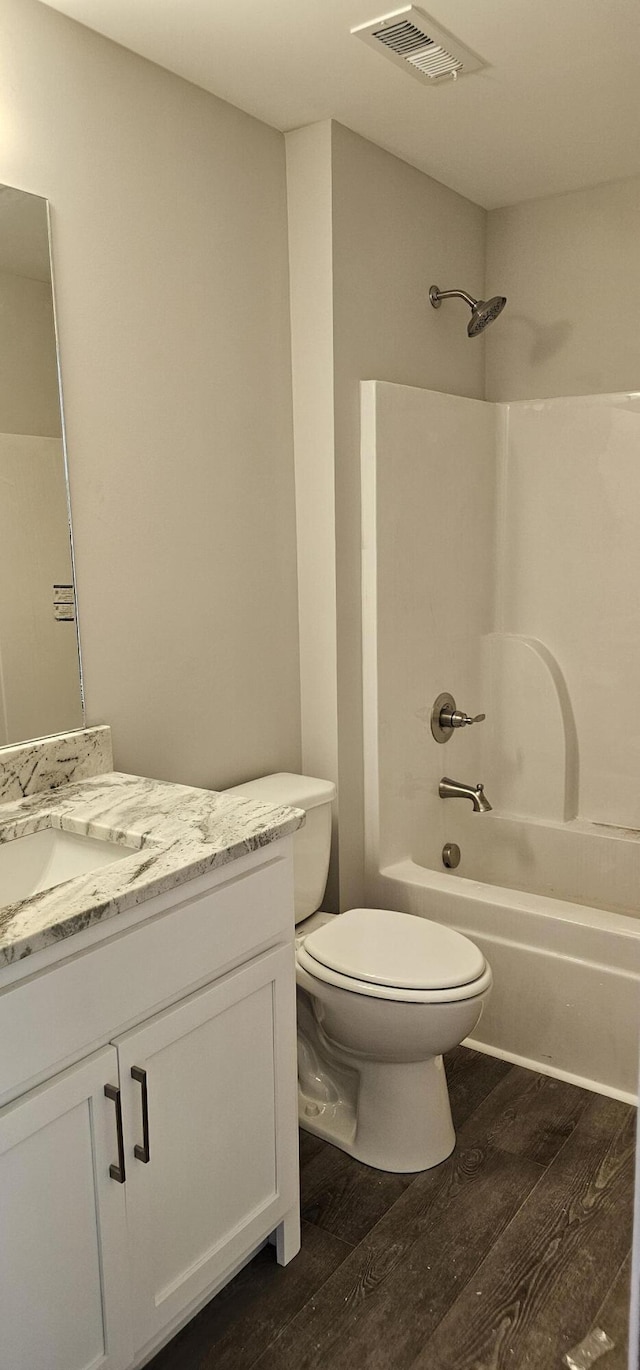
(437, 296)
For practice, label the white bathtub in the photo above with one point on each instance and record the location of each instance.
(566, 976)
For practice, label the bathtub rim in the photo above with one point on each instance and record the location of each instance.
(608, 943)
(555, 920)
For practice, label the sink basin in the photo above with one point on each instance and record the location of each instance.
(40, 860)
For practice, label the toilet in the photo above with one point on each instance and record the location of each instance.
(381, 996)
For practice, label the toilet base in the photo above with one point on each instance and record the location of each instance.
(391, 1116)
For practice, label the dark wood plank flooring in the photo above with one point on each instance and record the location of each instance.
(504, 1256)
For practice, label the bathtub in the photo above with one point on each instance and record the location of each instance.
(566, 975)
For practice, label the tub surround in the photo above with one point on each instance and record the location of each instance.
(176, 834)
(532, 632)
(48, 762)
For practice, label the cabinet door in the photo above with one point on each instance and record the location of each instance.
(63, 1291)
(218, 1071)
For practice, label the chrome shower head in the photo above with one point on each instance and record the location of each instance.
(483, 312)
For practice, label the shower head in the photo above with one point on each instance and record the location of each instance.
(483, 312)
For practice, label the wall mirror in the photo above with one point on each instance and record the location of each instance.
(40, 674)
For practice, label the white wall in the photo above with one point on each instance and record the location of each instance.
(569, 267)
(393, 231)
(170, 260)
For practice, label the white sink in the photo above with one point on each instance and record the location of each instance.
(40, 860)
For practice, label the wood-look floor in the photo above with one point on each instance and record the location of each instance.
(502, 1258)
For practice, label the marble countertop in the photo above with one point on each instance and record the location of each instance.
(169, 834)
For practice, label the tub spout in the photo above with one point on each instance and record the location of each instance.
(455, 789)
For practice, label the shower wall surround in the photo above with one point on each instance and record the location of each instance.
(501, 562)
(511, 541)
(568, 578)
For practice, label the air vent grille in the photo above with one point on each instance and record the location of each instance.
(413, 41)
(403, 38)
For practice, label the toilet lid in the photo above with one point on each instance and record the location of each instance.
(384, 947)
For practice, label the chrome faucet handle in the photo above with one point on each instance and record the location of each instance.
(479, 718)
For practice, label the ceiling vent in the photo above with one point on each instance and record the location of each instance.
(417, 44)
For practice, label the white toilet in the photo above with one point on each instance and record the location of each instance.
(381, 996)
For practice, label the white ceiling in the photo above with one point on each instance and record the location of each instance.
(556, 108)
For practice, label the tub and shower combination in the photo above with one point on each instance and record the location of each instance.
(501, 563)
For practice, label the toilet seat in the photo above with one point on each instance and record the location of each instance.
(410, 996)
(386, 954)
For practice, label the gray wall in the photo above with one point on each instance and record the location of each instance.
(170, 254)
(569, 265)
(362, 262)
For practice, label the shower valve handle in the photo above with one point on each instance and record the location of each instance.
(455, 718)
(445, 717)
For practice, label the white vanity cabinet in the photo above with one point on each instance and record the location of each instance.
(63, 1236)
(122, 1211)
(211, 1187)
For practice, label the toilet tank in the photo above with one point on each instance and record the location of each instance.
(312, 842)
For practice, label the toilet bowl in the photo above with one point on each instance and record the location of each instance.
(381, 996)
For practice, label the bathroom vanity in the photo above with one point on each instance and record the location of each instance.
(148, 1128)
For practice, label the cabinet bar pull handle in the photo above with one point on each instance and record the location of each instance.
(117, 1172)
(141, 1153)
